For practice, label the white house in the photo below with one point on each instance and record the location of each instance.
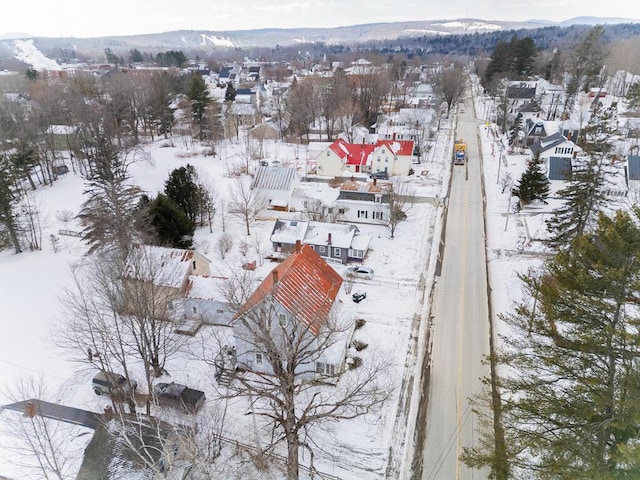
(295, 301)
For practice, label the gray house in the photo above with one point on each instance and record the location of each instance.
(339, 243)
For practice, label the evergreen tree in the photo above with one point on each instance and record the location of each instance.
(8, 199)
(230, 93)
(525, 54)
(533, 184)
(171, 226)
(182, 188)
(135, 56)
(108, 215)
(570, 407)
(515, 131)
(633, 96)
(198, 95)
(583, 198)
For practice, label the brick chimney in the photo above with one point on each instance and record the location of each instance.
(30, 409)
(329, 238)
(375, 181)
(274, 274)
(298, 246)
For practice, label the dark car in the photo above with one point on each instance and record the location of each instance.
(114, 384)
(178, 396)
(383, 175)
(359, 296)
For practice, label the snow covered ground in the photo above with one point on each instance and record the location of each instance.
(32, 283)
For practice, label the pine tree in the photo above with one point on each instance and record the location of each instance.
(570, 392)
(533, 184)
(515, 131)
(108, 215)
(230, 93)
(171, 226)
(583, 198)
(198, 95)
(8, 199)
(182, 189)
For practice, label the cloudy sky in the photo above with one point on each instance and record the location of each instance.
(90, 18)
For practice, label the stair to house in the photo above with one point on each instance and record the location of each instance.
(225, 378)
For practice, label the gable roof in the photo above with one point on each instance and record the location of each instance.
(303, 284)
(275, 178)
(559, 168)
(161, 266)
(352, 153)
(521, 93)
(546, 143)
(398, 147)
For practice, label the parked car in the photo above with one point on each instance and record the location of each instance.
(359, 271)
(178, 396)
(114, 384)
(383, 175)
(359, 296)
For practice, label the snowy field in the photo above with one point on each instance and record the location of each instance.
(34, 280)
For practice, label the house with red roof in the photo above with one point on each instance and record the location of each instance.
(290, 316)
(342, 158)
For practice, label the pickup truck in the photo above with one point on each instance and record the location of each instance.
(178, 396)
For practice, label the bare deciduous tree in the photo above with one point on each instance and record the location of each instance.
(41, 447)
(451, 82)
(291, 393)
(246, 203)
(400, 197)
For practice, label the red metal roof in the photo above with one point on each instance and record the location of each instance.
(398, 147)
(304, 285)
(353, 153)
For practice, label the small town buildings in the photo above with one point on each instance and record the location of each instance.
(393, 157)
(364, 202)
(275, 184)
(296, 300)
(338, 243)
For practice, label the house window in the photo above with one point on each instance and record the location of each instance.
(342, 211)
(194, 264)
(386, 159)
(377, 198)
(220, 312)
(537, 130)
(282, 319)
(377, 215)
(325, 368)
(169, 305)
(305, 204)
(259, 359)
(336, 252)
(322, 249)
(328, 153)
(356, 253)
(194, 309)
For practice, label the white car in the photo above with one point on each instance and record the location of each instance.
(359, 271)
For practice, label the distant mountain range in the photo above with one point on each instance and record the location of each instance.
(18, 49)
(271, 37)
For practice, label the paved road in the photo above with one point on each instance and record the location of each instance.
(461, 329)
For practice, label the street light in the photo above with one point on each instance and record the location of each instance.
(501, 145)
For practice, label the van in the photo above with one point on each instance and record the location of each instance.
(114, 384)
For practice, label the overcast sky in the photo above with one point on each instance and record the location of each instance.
(90, 18)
